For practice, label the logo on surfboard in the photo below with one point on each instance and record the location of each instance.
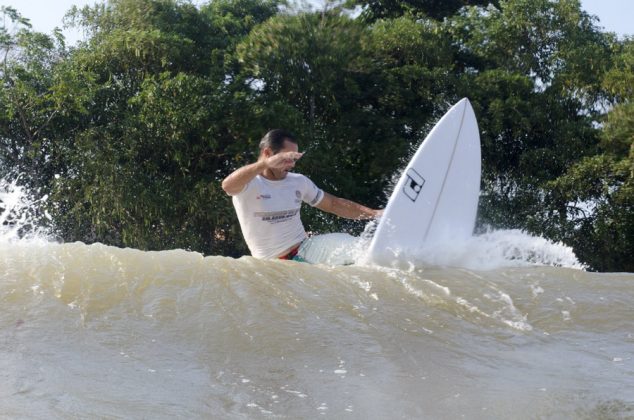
(413, 185)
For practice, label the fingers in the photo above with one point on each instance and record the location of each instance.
(294, 155)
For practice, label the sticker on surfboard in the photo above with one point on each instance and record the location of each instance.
(414, 184)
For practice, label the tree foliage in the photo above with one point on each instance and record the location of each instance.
(132, 130)
(437, 9)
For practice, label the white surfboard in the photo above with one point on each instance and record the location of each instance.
(436, 198)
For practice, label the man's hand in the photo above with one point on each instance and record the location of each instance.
(284, 160)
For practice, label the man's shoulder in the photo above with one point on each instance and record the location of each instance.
(294, 176)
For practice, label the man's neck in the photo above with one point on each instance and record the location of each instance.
(270, 175)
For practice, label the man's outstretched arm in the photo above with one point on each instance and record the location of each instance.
(346, 208)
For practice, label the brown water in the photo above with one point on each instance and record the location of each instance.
(101, 332)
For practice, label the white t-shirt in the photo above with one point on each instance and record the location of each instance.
(268, 212)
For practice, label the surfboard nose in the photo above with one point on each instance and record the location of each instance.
(463, 105)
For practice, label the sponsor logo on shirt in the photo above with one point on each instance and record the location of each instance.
(263, 197)
(277, 216)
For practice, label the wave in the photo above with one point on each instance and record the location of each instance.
(93, 277)
(94, 330)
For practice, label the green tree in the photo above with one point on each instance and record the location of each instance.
(145, 168)
(40, 102)
(599, 190)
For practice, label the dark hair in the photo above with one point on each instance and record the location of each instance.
(274, 140)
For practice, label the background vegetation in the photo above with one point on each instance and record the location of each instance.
(131, 131)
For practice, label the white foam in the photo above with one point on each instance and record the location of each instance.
(22, 214)
(492, 250)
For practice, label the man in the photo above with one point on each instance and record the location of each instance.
(267, 198)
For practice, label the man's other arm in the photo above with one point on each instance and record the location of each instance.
(346, 208)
